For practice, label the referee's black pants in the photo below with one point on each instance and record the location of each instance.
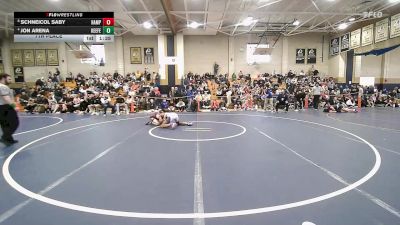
(9, 121)
(316, 101)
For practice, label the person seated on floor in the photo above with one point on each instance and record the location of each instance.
(282, 100)
(350, 102)
(171, 107)
(206, 100)
(180, 106)
(69, 103)
(171, 120)
(76, 103)
(94, 103)
(121, 102)
(164, 104)
(23, 99)
(42, 104)
(380, 102)
(30, 106)
(371, 100)
(60, 107)
(222, 105)
(106, 102)
(52, 102)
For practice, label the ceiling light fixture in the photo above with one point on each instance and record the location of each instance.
(296, 23)
(343, 26)
(147, 25)
(352, 19)
(248, 21)
(194, 25)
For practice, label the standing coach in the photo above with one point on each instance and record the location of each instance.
(8, 116)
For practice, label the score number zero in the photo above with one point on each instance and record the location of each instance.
(108, 26)
(99, 30)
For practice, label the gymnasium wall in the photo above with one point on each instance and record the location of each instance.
(309, 40)
(202, 51)
(240, 60)
(385, 68)
(371, 66)
(393, 66)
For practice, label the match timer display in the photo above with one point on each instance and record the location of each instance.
(96, 27)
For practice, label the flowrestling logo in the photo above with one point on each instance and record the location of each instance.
(372, 14)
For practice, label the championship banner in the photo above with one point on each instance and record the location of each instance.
(148, 55)
(29, 57)
(300, 55)
(40, 57)
(355, 39)
(19, 74)
(334, 46)
(382, 30)
(367, 36)
(16, 56)
(52, 57)
(311, 56)
(136, 55)
(345, 42)
(395, 26)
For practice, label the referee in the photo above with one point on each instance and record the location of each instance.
(8, 116)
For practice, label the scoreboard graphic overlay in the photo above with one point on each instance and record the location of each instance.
(94, 27)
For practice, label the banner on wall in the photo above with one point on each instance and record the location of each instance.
(300, 55)
(148, 55)
(382, 30)
(395, 26)
(334, 50)
(311, 56)
(29, 57)
(136, 56)
(19, 74)
(345, 42)
(40, 57)
(367, 36)
(52, 57)
(16, 56)
(355, 39)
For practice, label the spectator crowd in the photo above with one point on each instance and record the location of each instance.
(95, 94)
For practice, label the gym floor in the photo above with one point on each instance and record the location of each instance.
(237, 168)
